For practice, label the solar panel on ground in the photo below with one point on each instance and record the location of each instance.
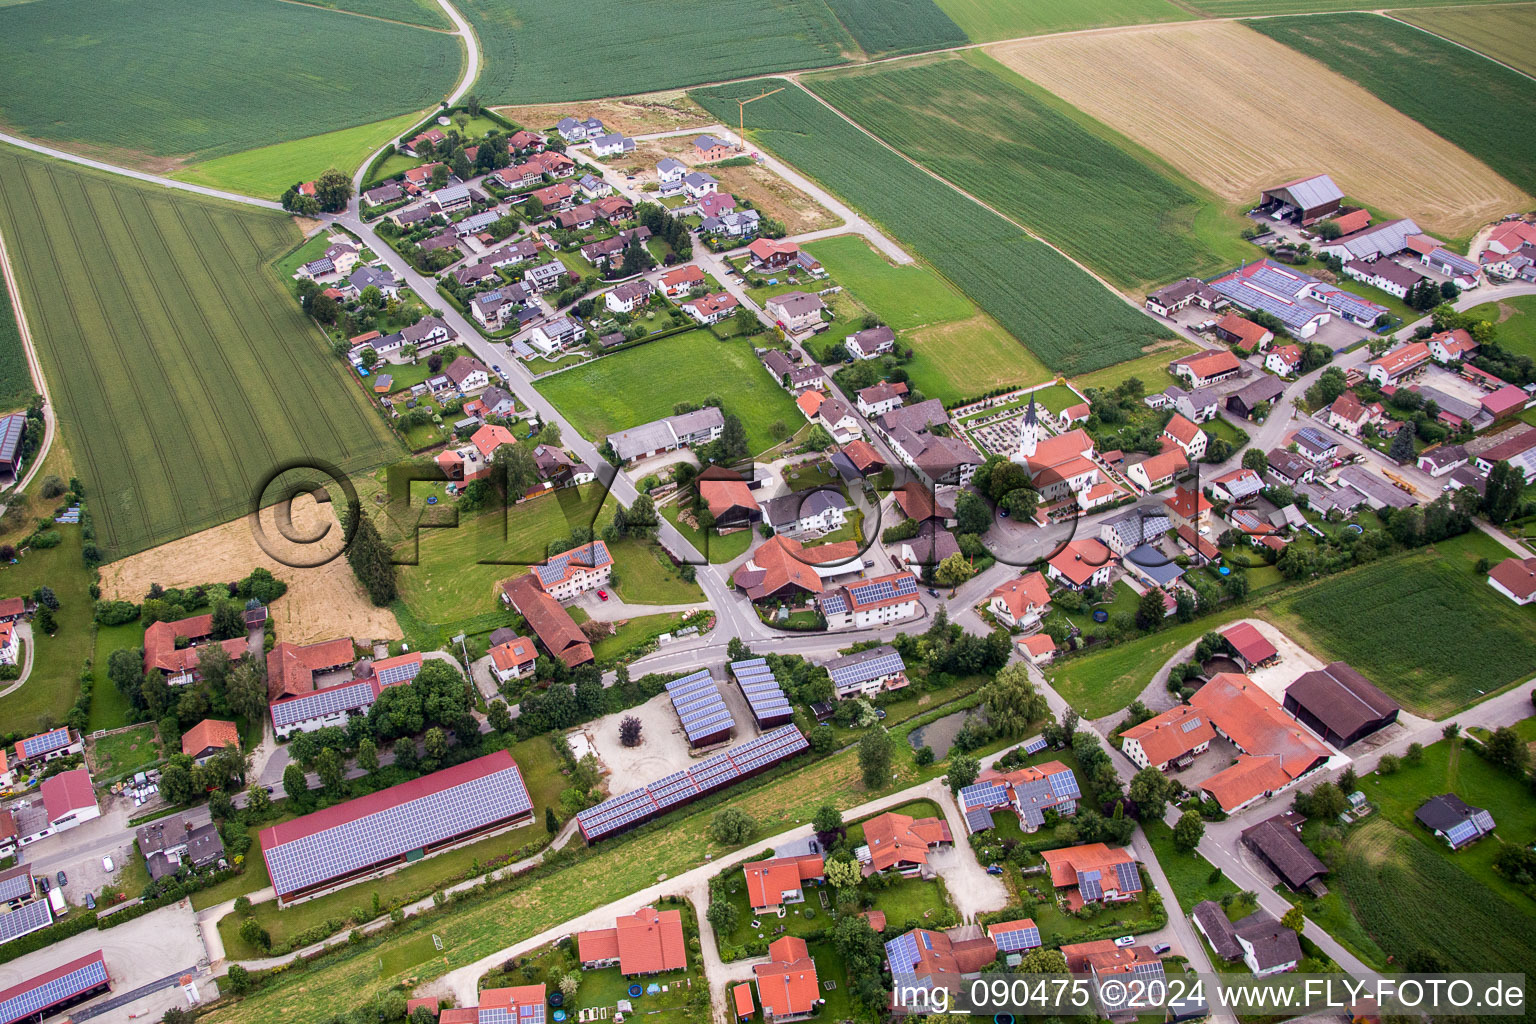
(1015, 939)
(35, 1000)
(709, 724)
(29, 918)
(394, 831)
(1035, 745)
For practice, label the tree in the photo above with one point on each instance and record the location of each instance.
(828, 819)
(255, 935)
(43, 619)
(1011, 702)
(1149, 610)
(333, 774)
(228, 620)
(1330, 385)
(971, 514)
(125, 667)
(435, 740)
(333, 189)
(1189, 831)
(551, 823)
(1506, 750)
(294, 782)
(368, 755)
(723, 915)
(1149, 790)
(45, 596)
(731, 826)
(533, 209)
(368, 555)
(1325, 801)
(844, 874)
(1502, 498)
(499, 715)
(953, 571)
(875, 757)
(629, 731)
(963, 769)
(239, 980)
(257, 803)
(176, 784)
(245, 690)
(1401, 451)
(1295, 919)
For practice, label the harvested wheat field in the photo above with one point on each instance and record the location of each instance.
(631, 115)
(320, 604)
(1239, 112)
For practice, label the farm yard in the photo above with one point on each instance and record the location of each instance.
(1196, 95)
(266, 172)
(1015, 147)
(634, 46)
(987, 21)
(122, 86)
(1505, 32)
(1471, 103)
(1471, 640)
(1065, 317)
(645, 383)
(882, 27)
(183, 373)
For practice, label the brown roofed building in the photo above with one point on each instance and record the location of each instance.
(730, 503)
(902, 842)
(550, 622)
(208, 737)
(938, 959)
(1093, 873)
(1515, 578)
(1275, 842)
(780, 880)
(1250, 646)
(1339, 704)
(1275, 751)
(291, 668)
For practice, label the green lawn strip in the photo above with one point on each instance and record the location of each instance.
(268, 170)
(1472, 94)
(630, 632)
(1151, 370)
(49, 692)
(129, 86)
(986, 21)
(1255, 8)
(109, 707)
(1188, 873)
(122, 752)
(170, 323)
(1023, 283)
(1517, 333)
(1069, 179)
(903, 296)
(645, 383)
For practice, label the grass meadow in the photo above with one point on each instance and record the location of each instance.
(643, 384)
(183, 372)
(15, 379)
(266, 172)
(1472, 99)
(50, 691)
(1058, 311)
(170, 78)
(623, 47)
(1505, 32)
(1517, 329)
(886, 27)
(904, 297)
(966, 358)
(987, 21)
(1071, 180)
(1243, 8)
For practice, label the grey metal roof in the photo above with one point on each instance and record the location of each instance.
(1154, 564)
(1310, 193)
(11, 428)
(1385, 238)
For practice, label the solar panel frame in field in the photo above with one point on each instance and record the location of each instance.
(1035, 745)
(81, 979)
(29, 917)
(394, 831)
(321, 703)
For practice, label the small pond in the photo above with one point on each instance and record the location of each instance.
(939, 734)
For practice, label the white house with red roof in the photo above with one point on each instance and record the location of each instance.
(1039, 650)
(1349, 415)
(1159, 470)
(774, 883)
(1515, 578)
(1190, 438)
(1174, 738)
(876, 601)
(1451, 346)
(1283, 360)
(1082, 564)
(1021, 603)
(711, 309)
(8, 644)
(679, 281)
(1398, 363)
(68, 799)
(513, 659)
(1206, 368)
(787, 986)
(1188, 507)
(1237, 485)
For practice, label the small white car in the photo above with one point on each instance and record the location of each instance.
(1126, 940)
(106, 863)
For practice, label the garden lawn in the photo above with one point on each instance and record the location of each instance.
(232, 75)
(160, 326)
(645, 383)
(904, 297)
(1468, 640)
(50, 691)
(1150, 369)
(116, 755)
(268, 171)
(1516, 331)
(1472, 97)
(716, 548)
(109, 708)
(630, 632)
(1188, 873)
(1505, 32)
(987, 21)
(1065, 317)
(1066, 177)
(647, 576)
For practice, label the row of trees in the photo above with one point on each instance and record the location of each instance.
(333, 190)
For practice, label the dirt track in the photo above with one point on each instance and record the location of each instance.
(1238, 112)
(321, 603)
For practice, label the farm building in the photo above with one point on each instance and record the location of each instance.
(340, 845)
(764, 695)
(1303, 201)
(700, 709)
(12, 429)
(1515, 578)
(68, 799)
(1260, 391)
(291, 668)
(209, 737)
(1454, 820)
(1275, 842)
(1171, 298)
(57, 990)
(1339, 704)
(1274, 752)
(871, 602)
(648, 941)
(550, 622)
(1385, 239)
(1172, 739)
(1249, 645)
(179, 665)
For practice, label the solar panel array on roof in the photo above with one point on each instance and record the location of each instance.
(1089, 885)
(1035, 745)
(699, 706)
(1064, 785)
(1148, 969)
(47, 742)
(1191, 725)
(394, 831)
(984, 794)
(322, 703)
(402, 673)
(762, 690)
(1461, 832)
(36, 1000)
(878, 590)
(854, 673)
(1350, 305)
(979, 819)
(16, 883)
(901, 953)
(1483, 820)
(1015, 939)
(1127, 877)
(28, 918)
(833, 603)
(638, 805)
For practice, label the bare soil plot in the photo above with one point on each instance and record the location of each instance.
(320, 604)
(1238, 112)
(630, 115)
(771, 194)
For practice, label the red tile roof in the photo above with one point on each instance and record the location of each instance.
(1210, 363)
(67, 791)
(1171, 734)
(899, 839)
(1066, 864)
(782, 562)
(291, 668)
(1249, 643)
(1275, 749)
(1181, 429)
(651, 941)
(1079, 560)
(768, 880)
(1516, 575)
(944, 959)
(1020, 594)
(514, 653)
(787, 984)
(10, 607)
(862, 454)
(723, 495)
(1354, 220)
(1187, 502)
(1035, 646)
(209, 732)
(553, 625)
(741, 994)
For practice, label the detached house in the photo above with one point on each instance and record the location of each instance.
(796, 312)
(1451, 346)
(881, 398)
(709, 149)
(711, 309)
(1190, 438)
(469, 374)
(680, 281)
(773, 884)
(513, 659)
(875, 601)
(630, 296)
(1283, 360)
(1206, 368)
(1021, 603)
(1349, 415)
(901, 843)
(867, 344)
(1398, 363)
(697, 185)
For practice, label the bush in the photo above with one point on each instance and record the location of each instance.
(46, 539)
(731, 827)
(52, 486)
(115, 613)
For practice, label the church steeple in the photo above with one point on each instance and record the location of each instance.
(1029, 432)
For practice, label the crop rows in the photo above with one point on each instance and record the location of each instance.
(546, 52)
(884, 27)
(415, 12)
(1423, 630)
(208, 77)
(15, 380)
(1505, 32)
(1470, 100)
(1008, 146)
(183, 372)
(1072, 322)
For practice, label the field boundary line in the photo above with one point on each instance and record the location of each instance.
(1392, 15)
(34, 366)
(370, 17)
(128, 172)
(990, 209)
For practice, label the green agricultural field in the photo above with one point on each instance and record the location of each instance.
(1246, 8)
(268, 171)
(15, 379)
(966, 358)
(885, 27)
(115, 76)
(643, 384)
(1059, 312)
(49, 692)
(1069, 179)
(413, 12)
(987, 21)
(1472, 99)
(623, 47)
(183, 373)
(1473, 643)
(1505, 32)
(903, 296)
(1516, 320)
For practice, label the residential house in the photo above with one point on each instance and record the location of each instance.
(1349, 415)
(782, 567)
(1315, 446)
(1451, 818)
(556, 334)
(876, 601)
(381, 278)
(1039, 650)
(630, 296)
(593, 187)
(573, 129)
(787, 986)
(425, 143)
(1238, 485)
(209, 737)
(577, 218)
(556, 197)
(513, 659)
(768, 254)
(1397, 364)
(1082, 564)
(901, 843)
(9, 644)
(576, 571)
(1172, 739)
(1238, 330)
(545, 277)
(801, 513)
(1108, 965)
(1451, 346)
(1518, 449)
(550, 622)
(881, 398)
(868, 672)
(680, 281)
(1391, 277)
(1188, 507)
(1284, 360)
(1022, 602)
(1289, 468)
(925, 959)
(495, 309)
(733, 224)
(778, 882)
(180, 666)
(709, 149)
(1442, 459)
(1264, 945)
(524, 141)
(796, 312)
(48, 746)
(1515, 578)
(839, 420)
(1171, 298)
(1198, 406)
(468, 374)
(716, 204)
(697, 185)
(1206, 368)
(1190, 438)
(650, 941)
(871, 342)
(1128, 530)
(1093, 873)
(1159, 470)
(669, 171)
(711, 309)
(389, 192)
(600, 253)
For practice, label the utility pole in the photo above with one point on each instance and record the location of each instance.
(741, 114)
